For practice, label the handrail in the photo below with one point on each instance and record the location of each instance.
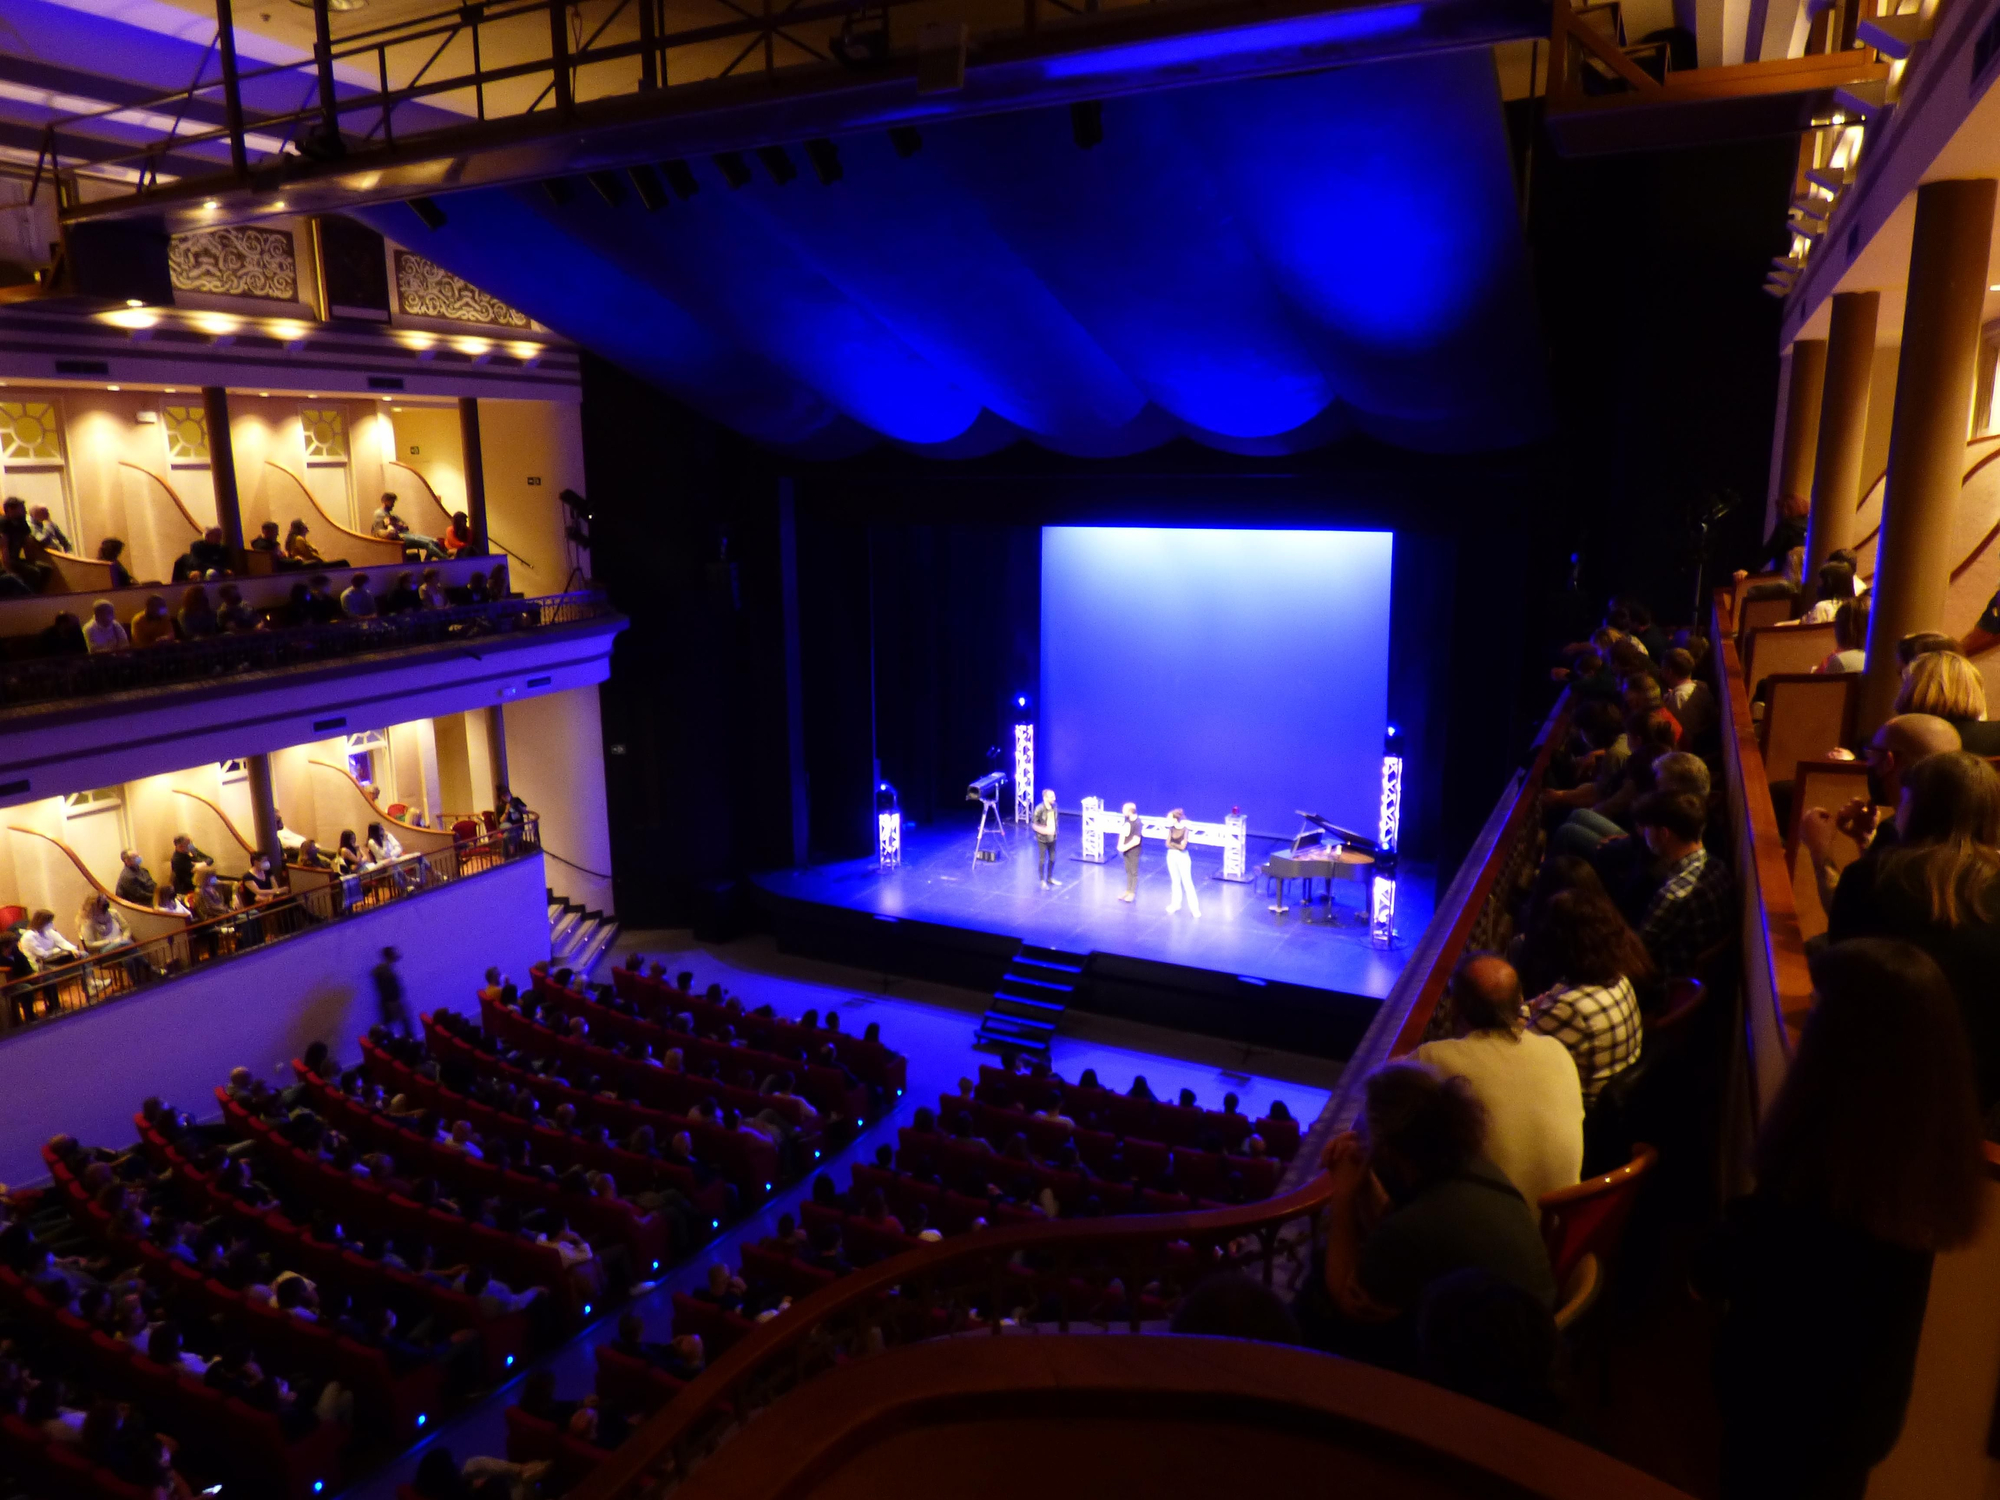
(757, 1366)
(491, 540)
(172, 494)
(109, 976)
(223, 817)
(1777, 986)
(320, 511)
(97, 885)
(1964, 480)
(376, 807)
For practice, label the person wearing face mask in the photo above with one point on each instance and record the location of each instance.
(1899, 745)
(1693, 909)
(1937, 887)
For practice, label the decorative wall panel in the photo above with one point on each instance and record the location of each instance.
(242, 261)
(30, 433)
(186, 428)
(426, 290)
(326, 434)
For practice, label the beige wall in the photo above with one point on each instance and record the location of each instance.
(523, 440)
(555, 754)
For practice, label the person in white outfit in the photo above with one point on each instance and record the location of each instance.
(1180, 868)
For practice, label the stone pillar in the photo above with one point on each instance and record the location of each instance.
(475, 471)
(222, 469)
(1947, 289)
(1843, 426)
(264, 813)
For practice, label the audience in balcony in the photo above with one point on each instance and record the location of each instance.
(1523, 1079)
(386, 524)
(27, 560)
(299, 547)
(1947, 684)
(357, 600)
(152, 626)
(1893, 750)
(185, 861)
(43, 946)
(458, 535)
(1414, 1198)
(208, 555)
(1937, 886)
(233, 615)
(104, 633)
(267, 540)
(196, 620)
(403, 597)
(1597, 962)
(43, 528)
(111, 550)
(64, 637)
(1850, 639)
(1868, 1165)
(99, 927)
(432, 594)
(135, 881)
(1687, 697)
(1693, 910)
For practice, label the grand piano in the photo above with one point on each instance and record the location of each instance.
(1322, 851)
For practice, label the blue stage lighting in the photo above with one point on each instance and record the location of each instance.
(1304, 31)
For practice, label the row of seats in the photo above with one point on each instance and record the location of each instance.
(1129, 1115)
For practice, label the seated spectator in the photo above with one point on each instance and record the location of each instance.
(43, 946)
(99, 927)
(321, 608)
(1946, 684)
(1833, 588)
(1592, 1009)
(135, 881)
(1937, 887)
(1868, 1165)
(458, 535)
(104, 633)
(432, 595)
(208, 899)
(152, 626)
(234, 615)
(268, 541)
(1850, 639)
(42, 527)
(1893, 750)
(1483, 1337)
(197, 617)
(1414, 1198)
(110, 550)
(387, 524)
(1524, 1080)
(211, 553)
(1687, 697)
(403, 597)
(185, 860)
(1693, 911)
(357, 602)
(63, 637)
(299, 547)
(723, 1290)
(27, 560)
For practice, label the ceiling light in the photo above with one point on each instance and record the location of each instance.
(212, 204)
(134, 302)
(334, 4)
(133, 318)
(265, 394)
(218, 324)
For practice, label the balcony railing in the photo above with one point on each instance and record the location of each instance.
(57, 992)
(53, 678)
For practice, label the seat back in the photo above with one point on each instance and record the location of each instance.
(1777, 649)
(1828, 785)
(1755, 615)
(1589, 1218)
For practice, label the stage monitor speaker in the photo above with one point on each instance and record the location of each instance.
(119, 260)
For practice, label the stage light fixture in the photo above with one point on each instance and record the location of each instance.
(646, 183)
(1086, 123)
(1024, 768)
(888, 828)
(1388, 828)
(778, 162)
(561, 192)
(825, 159)
(863, 40)
(427, 210)
(610, 187)
(734, 169)
(907, 139)
(680, 177)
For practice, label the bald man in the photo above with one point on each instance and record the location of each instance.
(1899, 744)
(1527, 1082)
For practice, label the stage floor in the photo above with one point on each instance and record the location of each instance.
(1235, 934)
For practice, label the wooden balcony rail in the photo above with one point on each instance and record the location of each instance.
(59, 991)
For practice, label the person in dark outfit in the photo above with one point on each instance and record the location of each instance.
(1869, 1164)
(1042, 822)
(1900, 744)
(1939, 888)
(389, 992)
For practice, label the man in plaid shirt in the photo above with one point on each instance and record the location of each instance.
(1599, 1023)
(1694, 909)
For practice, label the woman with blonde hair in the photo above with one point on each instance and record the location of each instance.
(99, 928)
(1948, 685)
(1938, 888)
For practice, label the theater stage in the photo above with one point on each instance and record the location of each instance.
(1297, 980)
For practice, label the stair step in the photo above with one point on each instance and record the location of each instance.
(561, 930)
(1026, 1025)
(1059, 966)
(579, 938)
(1033, 1002)
(597, 947)
(1052, 986)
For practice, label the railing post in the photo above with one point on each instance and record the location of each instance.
(649, 69)
(232, 89)
(559, 55)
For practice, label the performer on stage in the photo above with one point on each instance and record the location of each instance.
(1129, 840)
(1180, 868)
(1043, 823)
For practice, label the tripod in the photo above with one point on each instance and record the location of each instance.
(989, 812)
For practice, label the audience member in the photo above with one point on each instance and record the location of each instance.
(356, 601)
(111, 550)
(152, 626)
(1593, 1008)
(63, 637)
(299, 547)
(1693, 910)
(135, 881)
(1850, 639)
(1524, 1080)
(1901, 743)
(104, 633)
(387, 524)
(1946, 684)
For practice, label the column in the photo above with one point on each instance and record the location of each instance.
(264, 813)
(1941, 308)
(1843, 426)
(222, 468)
(1799, 442)
(475, 471)
(496, 747)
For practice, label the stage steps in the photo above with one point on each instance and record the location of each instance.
(578, 937)
(1031, 1001)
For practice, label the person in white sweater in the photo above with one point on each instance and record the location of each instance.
(1527, 1081)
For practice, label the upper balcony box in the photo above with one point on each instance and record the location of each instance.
(71, 723)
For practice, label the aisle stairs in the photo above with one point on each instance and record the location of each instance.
(1031, 1000)
(578, 937)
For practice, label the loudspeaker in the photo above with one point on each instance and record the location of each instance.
(119, 260)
